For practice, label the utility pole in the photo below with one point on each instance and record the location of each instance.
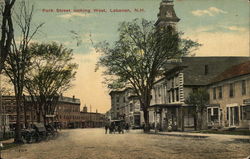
(90, 116)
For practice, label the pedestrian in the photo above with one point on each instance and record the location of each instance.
(106, 128)
(127, 127)
(143, 126)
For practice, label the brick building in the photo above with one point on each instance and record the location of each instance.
(67, 113)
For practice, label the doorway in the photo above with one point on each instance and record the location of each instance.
(233, 115)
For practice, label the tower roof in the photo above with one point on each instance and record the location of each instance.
(167, 13)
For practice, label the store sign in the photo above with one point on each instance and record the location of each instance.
(246, 101)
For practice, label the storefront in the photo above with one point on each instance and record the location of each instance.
(214, 115)
(171, 117)
(245, 114)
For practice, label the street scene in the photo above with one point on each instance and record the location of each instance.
(95, 144)
(136, 79)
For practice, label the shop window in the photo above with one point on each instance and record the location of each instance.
(245, 112)
(213, 115)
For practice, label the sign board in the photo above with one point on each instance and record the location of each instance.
(50, 116)
(246, 101)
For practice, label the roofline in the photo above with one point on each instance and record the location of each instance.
(228, 79)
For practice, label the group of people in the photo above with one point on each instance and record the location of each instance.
(114, 127)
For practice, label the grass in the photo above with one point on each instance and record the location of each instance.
(227, 132)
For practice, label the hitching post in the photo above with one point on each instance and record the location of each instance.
(1, 146)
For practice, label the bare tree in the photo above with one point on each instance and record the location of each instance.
(7, 32)
(18, 61)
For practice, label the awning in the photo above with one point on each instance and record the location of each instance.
(160, 106)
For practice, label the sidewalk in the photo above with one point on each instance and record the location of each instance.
(7, 141)
(204, 135)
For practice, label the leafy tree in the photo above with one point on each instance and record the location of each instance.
(18, 60)
(139, 56)
(50, 75)
(199, 99)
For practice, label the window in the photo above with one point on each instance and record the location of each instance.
(220, 92)
(214, 93)
(206, 69)
(213, 115)
(159, 91)
(195, 90)
(117, 99)
(243, 87)
(172, 95)
(177, 94)
(245, 112)
(231, 90)
(131, 107)
(227, 113)
(169, 97)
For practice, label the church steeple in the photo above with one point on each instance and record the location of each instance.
(166, 15)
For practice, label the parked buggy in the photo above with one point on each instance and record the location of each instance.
(51, 131)
(29, 135)
(38, 132)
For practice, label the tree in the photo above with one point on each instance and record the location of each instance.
(50, 75)
(139, 56)
(199, 99)
(7, 31)
(7, 34)
(18, 61)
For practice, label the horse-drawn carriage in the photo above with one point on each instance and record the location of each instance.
(117, 126)
(38, 132)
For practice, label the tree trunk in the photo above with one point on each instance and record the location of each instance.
(195, 121)
(145, 111)
(18, 121)
(146, 119)
(25, 113)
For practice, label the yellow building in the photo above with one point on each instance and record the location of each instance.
(230, 98)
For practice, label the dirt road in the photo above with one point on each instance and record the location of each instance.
(95, 144)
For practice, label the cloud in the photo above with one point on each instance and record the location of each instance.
(222, 43)
(218, 28)
(236, 28)
(212, 11)
(73, 14)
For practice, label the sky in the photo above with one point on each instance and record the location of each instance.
(221, 26)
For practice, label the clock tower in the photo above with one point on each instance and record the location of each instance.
(166, 16)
